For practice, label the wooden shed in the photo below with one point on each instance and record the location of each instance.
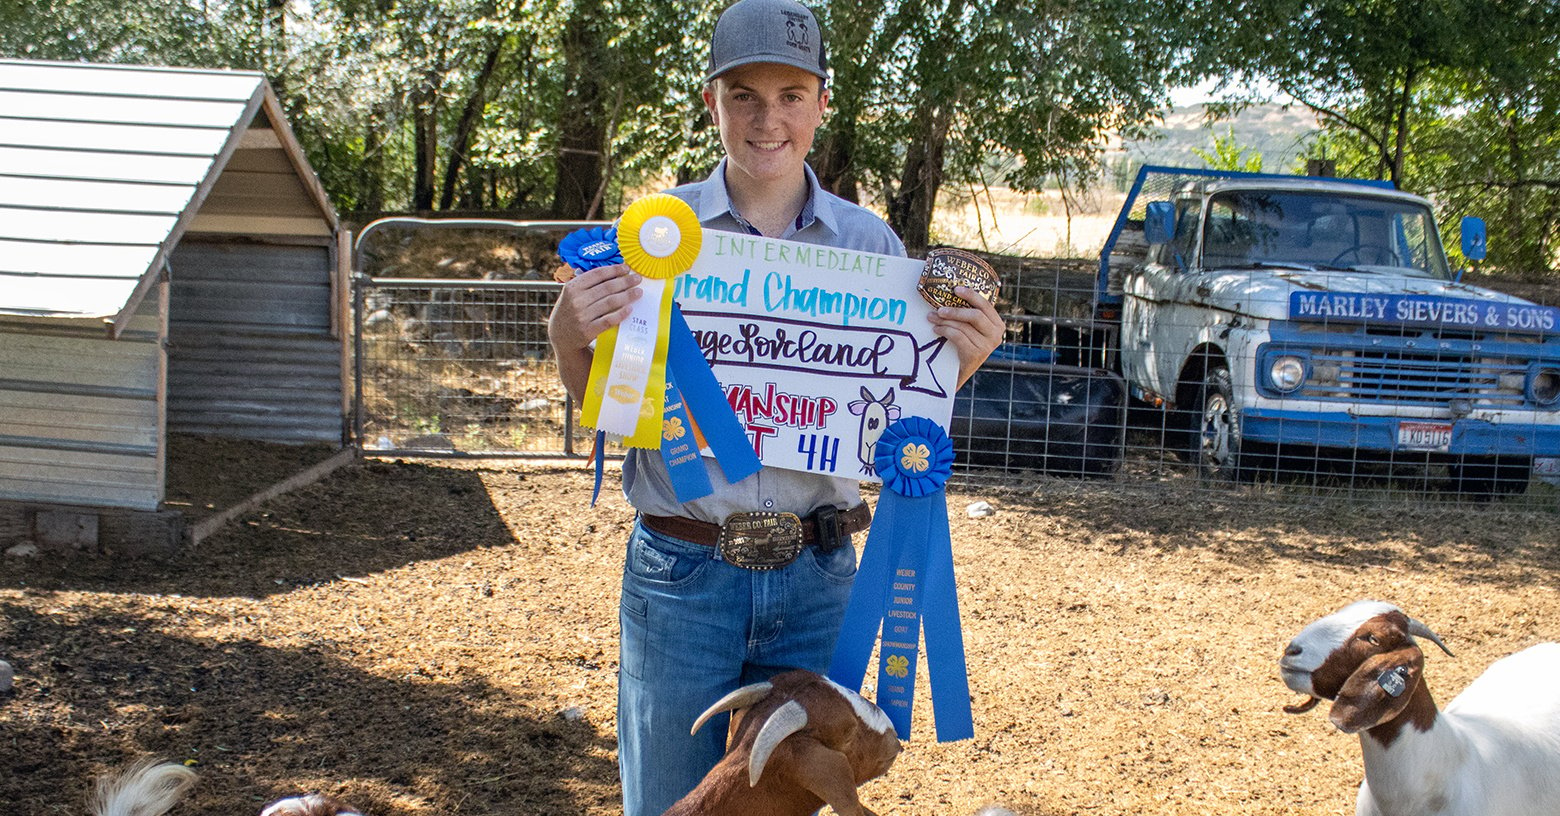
(169, 263)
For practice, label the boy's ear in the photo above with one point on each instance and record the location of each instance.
(1378, 690)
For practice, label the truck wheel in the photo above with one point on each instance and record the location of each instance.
(1490, 476)
(1218, 447)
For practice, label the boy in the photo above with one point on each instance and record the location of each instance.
(694, 626)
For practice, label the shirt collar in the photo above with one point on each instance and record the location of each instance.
(715, 202)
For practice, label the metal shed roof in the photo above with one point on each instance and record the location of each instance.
(103, 169)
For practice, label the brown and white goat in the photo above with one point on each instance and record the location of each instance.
(1494, 751)
(795, 743)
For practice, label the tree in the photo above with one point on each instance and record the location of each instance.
(1229, 154)
(954, 91)
(1450, 98)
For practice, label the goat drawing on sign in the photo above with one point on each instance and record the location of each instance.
(875, 415)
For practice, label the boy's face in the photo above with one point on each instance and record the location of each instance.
(767, 114)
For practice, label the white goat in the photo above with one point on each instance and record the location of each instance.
(1494, 751)
(151, 788)
(795, 743)
(146, 788)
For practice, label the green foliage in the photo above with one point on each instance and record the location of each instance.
(1228, 154)
(1449, 98)
(503, 104)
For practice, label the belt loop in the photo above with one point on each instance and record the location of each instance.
(826, 528)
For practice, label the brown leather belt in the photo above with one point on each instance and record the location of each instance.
(850, 521)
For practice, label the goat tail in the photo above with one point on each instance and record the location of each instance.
(146, 788)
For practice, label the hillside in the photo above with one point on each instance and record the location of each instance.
(1049, 224)
(1278, 133)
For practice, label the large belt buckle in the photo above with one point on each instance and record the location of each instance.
(760, 540)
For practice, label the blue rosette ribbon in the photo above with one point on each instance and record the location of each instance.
(696, 409)
(591, 247)
(905, 584)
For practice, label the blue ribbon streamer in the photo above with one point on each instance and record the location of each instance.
(598, 452)
(690, 479)
(706, 401)
(905, 584)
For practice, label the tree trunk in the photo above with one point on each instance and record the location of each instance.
(910, 209)
(371, 193)
(836, 156)
(466, 126)
(425, 146)
(1400, 140)
(582, 129)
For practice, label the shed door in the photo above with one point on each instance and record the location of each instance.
(250, 350)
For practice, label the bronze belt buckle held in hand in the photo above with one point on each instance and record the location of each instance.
(760, 540)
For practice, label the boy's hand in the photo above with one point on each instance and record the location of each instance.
(974, 331)
(591, 303)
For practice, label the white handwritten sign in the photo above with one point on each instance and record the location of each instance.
(817, 348)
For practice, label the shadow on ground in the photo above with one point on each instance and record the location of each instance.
(104, 688)
(362, 519)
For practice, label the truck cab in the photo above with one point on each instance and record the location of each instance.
(1283, 319)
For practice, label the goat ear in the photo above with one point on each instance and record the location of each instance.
(827, 774)
(1378, 690)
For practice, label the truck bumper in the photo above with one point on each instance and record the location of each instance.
(1470, 437)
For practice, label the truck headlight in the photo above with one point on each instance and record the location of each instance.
(1286, 373)
(1543, 386)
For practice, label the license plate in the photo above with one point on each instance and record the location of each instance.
(1425, 435)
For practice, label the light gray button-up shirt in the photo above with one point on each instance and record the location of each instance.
(825, 219)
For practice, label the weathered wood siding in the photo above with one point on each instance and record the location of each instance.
(251, 353)
(80, 414)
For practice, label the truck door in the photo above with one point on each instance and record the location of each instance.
(1150, 355)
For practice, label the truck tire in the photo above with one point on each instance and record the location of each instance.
(1217, 446)
(1491, 476)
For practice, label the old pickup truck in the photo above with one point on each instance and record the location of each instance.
(1281, 320)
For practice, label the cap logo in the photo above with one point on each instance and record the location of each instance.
(796, 32)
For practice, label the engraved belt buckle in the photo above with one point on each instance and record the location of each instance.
(760, 540)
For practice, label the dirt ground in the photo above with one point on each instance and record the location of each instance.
(426, 638)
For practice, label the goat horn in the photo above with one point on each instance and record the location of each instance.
(1420, 630)
(741, 698)
(787, 720)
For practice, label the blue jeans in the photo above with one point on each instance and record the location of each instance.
(695, 627)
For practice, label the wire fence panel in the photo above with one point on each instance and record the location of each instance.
(462, 368)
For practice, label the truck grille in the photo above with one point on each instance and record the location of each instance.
(1398, 376)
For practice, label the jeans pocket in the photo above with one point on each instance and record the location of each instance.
(838, 565)
(662, 562)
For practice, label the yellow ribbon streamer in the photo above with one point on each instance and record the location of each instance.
(660, 237)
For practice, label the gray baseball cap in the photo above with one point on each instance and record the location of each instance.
(781, 31)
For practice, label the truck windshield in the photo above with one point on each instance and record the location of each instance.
(1322, 230)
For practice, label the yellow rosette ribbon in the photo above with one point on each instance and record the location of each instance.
(659, 236)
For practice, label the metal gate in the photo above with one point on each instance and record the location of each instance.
(451, 355)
